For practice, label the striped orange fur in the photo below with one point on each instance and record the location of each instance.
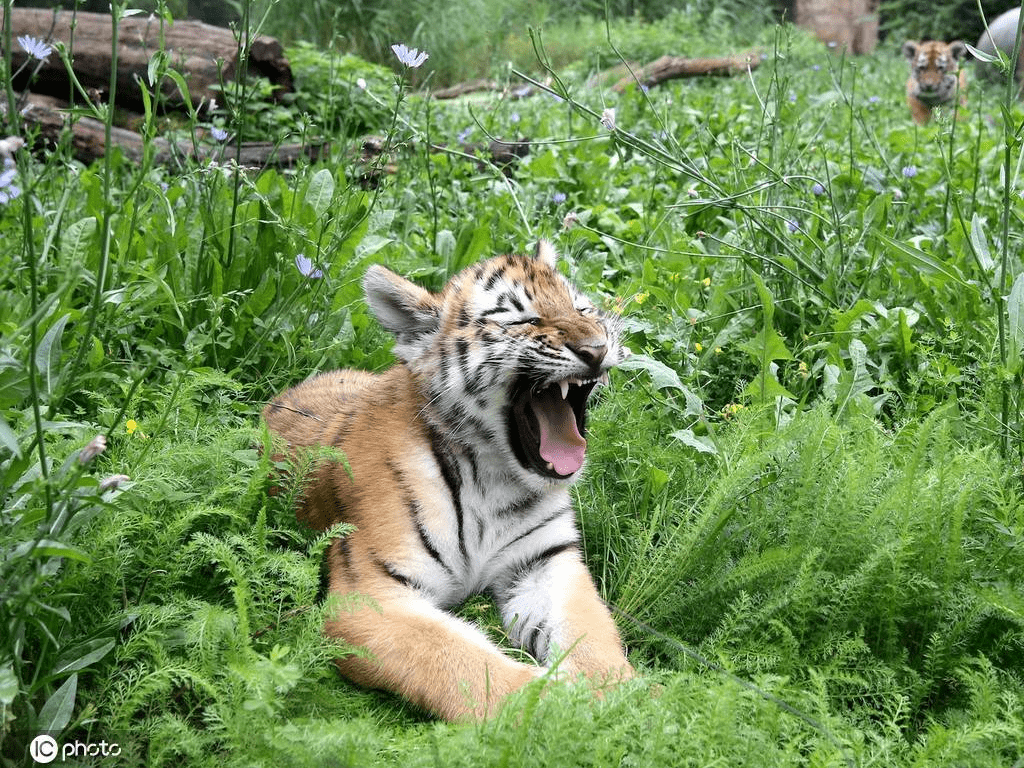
(460, 458)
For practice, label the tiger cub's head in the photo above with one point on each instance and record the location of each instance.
(934, 68)
(505, 356)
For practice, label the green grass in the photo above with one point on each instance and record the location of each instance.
(804, 493)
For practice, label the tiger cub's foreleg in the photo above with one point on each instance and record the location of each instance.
(413, 648)
(551, 607)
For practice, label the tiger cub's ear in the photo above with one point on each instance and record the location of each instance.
(410, 312)
(546, 254)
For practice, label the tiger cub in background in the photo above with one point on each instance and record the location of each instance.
(461, 457)
(935, 76)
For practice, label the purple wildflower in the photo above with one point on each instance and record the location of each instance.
(558, 198)
(909, 171)
(792, 226)
(218, 133)
(818, 189)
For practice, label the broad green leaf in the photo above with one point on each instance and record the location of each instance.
(320, 192)
(914, 258)
(48, 354)
(980, 244)
(981, 55)
(95, 358)
(56, 712)
(262, 297)
(77, 242)
(50, 548)
(767, 300)
(661, 375)
(766, 346)
(8, 439)
(182, 86)
(8, 685)
(765, 388)
(370, 244)
(700, 443)
(84, 655)
(906, 344)
(445, 244)
(843, 321)
(1015, 312)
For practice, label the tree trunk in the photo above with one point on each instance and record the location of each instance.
(204, 55)
(849, 24)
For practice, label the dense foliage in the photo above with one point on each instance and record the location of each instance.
(804, 492)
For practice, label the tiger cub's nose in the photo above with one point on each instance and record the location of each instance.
(591, 352)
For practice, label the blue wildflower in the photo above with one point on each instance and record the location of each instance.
(218, 133)
(411, 57)
(558, 198)
(792, 226)
(34, 47)
(306, 268)
(909, 171)
(818, 189)
(8, 189)
(608, 118)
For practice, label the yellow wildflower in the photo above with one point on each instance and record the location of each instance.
(699, 347)
(132, 425)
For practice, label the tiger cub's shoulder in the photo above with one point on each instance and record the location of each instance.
(300, 413)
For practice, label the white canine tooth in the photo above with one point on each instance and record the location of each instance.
(564, 386)
(551, 467)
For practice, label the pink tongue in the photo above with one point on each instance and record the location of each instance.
(560, 441)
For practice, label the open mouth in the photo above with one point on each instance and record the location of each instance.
(547, 425)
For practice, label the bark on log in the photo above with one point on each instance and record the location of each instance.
(88, 141)
(673, 67)
(204, 55)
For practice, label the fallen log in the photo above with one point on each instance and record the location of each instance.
(674, 67)
(205, 55)
(483, 84)
(88, 141)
